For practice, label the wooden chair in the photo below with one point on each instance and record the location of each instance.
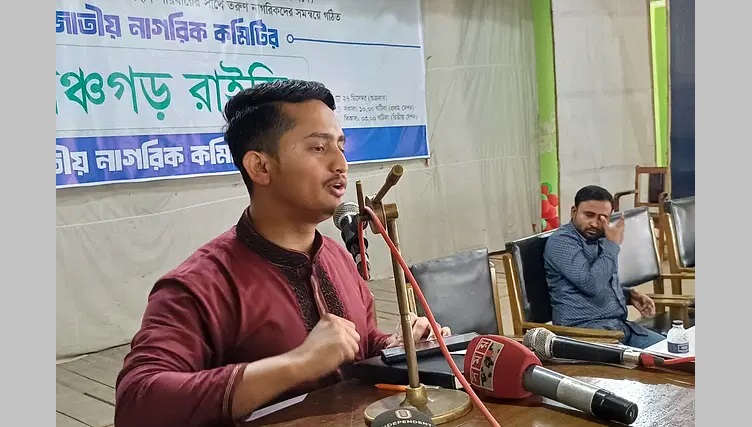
(528, 291)
(639, 263)
(462, 292)
(680, 234)
(679, 229)
(656, 190)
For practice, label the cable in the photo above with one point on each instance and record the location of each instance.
(436, 330)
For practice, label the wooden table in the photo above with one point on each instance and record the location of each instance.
(664, 399)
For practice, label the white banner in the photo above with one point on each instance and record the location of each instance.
(138, 79)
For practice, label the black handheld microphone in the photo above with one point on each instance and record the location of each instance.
(547, 346)
(402, 417)
(346, 220)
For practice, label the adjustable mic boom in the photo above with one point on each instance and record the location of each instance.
(441, 405)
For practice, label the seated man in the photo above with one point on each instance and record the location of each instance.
(581, 269)
(269, 309)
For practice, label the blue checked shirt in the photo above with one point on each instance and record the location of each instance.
(583, 282)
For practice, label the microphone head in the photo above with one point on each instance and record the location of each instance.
(539, 340)
(343, 210)
(494, 366)
(407, 417)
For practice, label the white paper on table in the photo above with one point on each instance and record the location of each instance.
(662, 347)
(276, 407)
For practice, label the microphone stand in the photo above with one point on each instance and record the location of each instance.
(442, 405)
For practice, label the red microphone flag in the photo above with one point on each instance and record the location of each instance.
(505, 379)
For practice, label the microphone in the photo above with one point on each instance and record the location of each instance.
(499, 367)
(346, 220)
(402, 417)
(547, 346)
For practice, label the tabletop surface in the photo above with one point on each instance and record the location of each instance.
(663, 399)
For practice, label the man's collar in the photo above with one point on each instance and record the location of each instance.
(270, 251)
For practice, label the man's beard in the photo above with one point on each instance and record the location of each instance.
(590, 234)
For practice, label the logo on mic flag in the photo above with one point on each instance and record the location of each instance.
(403, 414)
(483, 362)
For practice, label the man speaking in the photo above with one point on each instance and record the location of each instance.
(270, 308)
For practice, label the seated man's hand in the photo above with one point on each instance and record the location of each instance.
(643, 303)
(421, 329)
(332, 342)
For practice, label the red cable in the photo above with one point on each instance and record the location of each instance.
(434, 326)
(362, 245)
(678, 360)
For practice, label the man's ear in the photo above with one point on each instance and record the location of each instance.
(256, 165)
(573, 212)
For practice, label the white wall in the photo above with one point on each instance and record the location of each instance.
(604, 94)
(481, 183)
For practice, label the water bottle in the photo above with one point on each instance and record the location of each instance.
(677, 339)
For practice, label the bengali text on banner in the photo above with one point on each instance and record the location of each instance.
(141, 84)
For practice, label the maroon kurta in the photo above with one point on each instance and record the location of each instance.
(238, 299)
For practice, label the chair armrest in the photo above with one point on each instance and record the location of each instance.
(680, 276)
(671, 301)
(618, 195)
(690, 298)
(571, 331)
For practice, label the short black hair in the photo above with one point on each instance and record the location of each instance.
(255, 120)
(593, 192)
